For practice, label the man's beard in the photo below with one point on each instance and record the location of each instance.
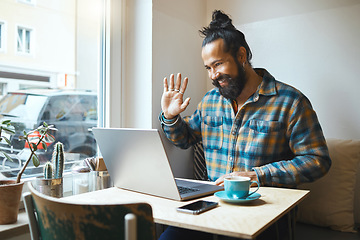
(234, 85)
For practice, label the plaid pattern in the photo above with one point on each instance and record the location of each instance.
(276, 133)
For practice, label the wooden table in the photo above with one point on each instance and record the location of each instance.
(242, 221)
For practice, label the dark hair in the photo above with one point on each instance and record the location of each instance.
(221, 27)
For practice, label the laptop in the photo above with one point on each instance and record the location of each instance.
(136, 160)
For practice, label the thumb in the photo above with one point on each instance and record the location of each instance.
(185, 104)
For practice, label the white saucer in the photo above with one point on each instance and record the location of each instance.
(222, 195)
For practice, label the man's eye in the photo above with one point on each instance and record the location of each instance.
(218, 64)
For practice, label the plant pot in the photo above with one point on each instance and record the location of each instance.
(50, 187)
(10, 195)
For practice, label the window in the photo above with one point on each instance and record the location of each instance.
(2, 89)
(2, 36)
(30, 2)
(24, 40)
(59, 84)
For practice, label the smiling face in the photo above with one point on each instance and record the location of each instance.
(224, 70)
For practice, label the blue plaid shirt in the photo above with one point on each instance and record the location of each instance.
(276, 133)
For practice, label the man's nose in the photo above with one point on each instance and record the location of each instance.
(213, 74)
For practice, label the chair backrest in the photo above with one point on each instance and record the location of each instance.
(52, 218)
(200, 172)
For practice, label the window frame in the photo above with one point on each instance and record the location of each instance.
(3, 36)
(114, 56)
(31, 39)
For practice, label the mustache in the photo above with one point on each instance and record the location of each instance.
(215, 82)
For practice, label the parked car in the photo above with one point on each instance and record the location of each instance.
(72, 112)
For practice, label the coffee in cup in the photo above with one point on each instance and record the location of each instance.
(237, 187)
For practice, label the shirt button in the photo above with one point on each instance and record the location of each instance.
(230, 158)
(233, 133)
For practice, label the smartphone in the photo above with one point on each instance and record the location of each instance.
(197, 207)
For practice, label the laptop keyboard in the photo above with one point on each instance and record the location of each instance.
(184, 190)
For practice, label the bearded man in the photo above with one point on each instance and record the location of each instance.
(250, 124)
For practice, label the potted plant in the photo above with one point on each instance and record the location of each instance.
(52, 182)
(10, 190)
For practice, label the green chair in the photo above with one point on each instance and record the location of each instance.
(51, 218)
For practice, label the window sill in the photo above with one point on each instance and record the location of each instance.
(17, 228)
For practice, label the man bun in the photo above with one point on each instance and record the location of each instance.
(221, 21)
(221, 27)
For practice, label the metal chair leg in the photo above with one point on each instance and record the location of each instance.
(130, 227)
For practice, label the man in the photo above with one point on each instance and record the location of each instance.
(250, 124)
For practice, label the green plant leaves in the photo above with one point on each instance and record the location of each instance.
(44, 146)
(6, 140)
(34, 146)
(7, 156)
(34, 138)
(35, 160)
(6, 122)
(8, 130)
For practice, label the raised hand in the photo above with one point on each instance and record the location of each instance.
(172, 102)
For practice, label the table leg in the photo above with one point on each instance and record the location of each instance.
(292, 223)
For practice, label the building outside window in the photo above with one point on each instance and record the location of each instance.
(58, 84)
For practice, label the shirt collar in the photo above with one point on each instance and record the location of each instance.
(267, 86)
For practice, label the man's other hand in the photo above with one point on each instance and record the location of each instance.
(252, 175)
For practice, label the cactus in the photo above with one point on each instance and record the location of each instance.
(48, 170)
(55, 168)
(58, 159)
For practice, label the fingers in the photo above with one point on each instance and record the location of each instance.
(184, 86)
(251, 174)
(220, 181)
(175, 86)
(178, 81)
(166, 87)
(171, 82)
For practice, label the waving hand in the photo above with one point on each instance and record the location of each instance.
(172, 102)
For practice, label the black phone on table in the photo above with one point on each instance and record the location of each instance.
(197, 207)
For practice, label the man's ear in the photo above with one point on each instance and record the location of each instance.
(241, 55)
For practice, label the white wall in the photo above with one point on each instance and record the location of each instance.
(177, 48)
(88, 34)
(312, 45)
(162, 38)
(137, 80)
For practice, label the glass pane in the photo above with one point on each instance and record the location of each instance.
(27, 41)
(20, 40)
(57, 84)
(1, 35)
(26, 107)
(2, 89)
